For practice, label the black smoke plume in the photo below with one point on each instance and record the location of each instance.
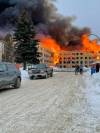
(45, 17)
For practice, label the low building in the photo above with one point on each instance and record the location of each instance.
(46, 55)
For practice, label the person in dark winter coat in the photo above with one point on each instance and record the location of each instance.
(93, 70)
(97, 67)
(76, 69)
(81, 69)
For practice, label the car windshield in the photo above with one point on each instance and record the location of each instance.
(2, 67)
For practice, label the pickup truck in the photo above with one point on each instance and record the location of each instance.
(40, 71)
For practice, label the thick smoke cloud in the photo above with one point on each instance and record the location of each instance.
(40, 10)
(45, 17)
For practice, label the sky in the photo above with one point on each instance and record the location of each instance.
(87, 12)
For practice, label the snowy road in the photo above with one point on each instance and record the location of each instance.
(55, 105)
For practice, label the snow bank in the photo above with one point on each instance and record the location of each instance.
(24, 74)
(93, 91)
(56, 69)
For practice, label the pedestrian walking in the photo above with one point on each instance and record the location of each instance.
(76, 69)
(93, 70)
(81, 69)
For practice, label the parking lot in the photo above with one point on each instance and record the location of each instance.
(54, 105)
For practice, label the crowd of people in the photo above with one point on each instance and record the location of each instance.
(94, 69)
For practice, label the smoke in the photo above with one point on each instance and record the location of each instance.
(45, 17)
(40, 10)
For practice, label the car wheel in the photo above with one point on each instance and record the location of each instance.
(31, 77)
(18, 83)
(51, 75)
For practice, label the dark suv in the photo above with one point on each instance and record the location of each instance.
(9, 75)
(39, 71)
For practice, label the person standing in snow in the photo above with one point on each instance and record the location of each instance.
(76, 69)
(93, 70)
(81, 69)
(97, 67)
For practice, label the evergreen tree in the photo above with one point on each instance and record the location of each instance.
(26, 45)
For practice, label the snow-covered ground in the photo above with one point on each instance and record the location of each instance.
(24, 74)
(93, 91)
(65, 103)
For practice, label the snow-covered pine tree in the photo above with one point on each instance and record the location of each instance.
(26, 48)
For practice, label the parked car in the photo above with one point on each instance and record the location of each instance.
(9, 75)
(40, 71)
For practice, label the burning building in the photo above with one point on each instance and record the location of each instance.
(52, 53)
(46, 55)
(49, 50)
(59, 31)
(69, 59)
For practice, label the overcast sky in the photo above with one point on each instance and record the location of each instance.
(86, 11)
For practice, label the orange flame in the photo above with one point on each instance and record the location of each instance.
(90, 45)
(51, 44)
